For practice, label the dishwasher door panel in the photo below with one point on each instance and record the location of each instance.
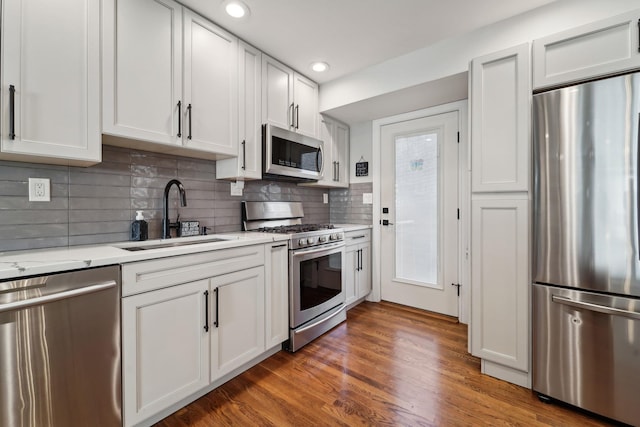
(586, 350)
(60, 360)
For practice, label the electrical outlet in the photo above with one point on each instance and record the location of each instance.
(236, 188)
(39, 190)
(325, 198)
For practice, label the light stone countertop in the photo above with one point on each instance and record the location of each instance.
(17, 264)
(353, 227)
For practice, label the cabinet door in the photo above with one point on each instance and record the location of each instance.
(210, 87)
(277, 93)
(165, 348)
(277, 293)
(54, 112)
(142, 70)
(341, 154)
(600, 48)
(238, 320)
(305, 94)
(364, 275)
(248, 164)
(500, 282)
(327, 132)
(351, 272)
(500, 121)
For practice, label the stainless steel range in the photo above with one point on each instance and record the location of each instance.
(316, 268)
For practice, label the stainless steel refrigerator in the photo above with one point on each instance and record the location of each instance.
(586, 246)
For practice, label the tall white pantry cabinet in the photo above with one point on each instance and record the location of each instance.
(500, 212)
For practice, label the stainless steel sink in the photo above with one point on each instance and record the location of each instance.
(172, 244)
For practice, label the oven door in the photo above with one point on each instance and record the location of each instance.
(316, 282)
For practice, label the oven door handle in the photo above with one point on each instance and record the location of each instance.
(314, 251)
(314, 324)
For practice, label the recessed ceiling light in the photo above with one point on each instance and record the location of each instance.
(236, 9)
(319, 67)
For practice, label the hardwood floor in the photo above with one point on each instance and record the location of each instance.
(387, 365)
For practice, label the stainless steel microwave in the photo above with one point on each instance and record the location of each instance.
(291, 156)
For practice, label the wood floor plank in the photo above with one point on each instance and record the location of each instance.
(387, 365)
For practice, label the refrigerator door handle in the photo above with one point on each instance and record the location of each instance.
(595, 307)
(638, 178)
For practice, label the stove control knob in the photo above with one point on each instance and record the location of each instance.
(323, 239)
(302, 242)
(311, 240)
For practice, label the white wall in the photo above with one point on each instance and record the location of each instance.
(360, 146)
(452, 56)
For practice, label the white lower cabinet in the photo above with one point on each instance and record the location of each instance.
(500, 288)
(276, 293)
(165, 348)
(237, 320)
(357, 265)
(190, 322)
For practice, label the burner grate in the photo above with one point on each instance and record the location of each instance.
(297, 228)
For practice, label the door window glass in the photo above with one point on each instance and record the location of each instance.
(416, 199)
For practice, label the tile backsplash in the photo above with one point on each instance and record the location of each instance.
(97, 204)
(347, 206)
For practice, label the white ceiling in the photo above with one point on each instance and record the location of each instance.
(353, 34)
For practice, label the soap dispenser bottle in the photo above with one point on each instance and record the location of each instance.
(139, 228)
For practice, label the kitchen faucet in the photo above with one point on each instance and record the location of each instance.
(167, 225)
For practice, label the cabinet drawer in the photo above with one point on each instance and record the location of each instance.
(605, 47)
(159, 273)
(357, 237)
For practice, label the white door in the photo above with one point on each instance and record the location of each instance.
(419, 202)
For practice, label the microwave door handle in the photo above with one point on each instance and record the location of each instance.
(320, 161)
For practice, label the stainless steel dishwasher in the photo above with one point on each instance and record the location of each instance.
(60, 349)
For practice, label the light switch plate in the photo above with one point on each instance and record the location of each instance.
(236, 188)
(367, 198)
(39, 190)
(325, 198)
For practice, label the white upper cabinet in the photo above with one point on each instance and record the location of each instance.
(142, 73)
(305, 97)
(289, 100)
(335, 159)
(341, 154)
(248, 164)
(147, 98)
(600, 48)
(500, 121)
(51, 81)
(277, 93)
(210, 86)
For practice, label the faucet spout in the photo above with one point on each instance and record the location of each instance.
(167, 225)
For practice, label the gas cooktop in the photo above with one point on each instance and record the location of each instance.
(296, 228)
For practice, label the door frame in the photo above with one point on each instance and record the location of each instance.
(464, 176)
